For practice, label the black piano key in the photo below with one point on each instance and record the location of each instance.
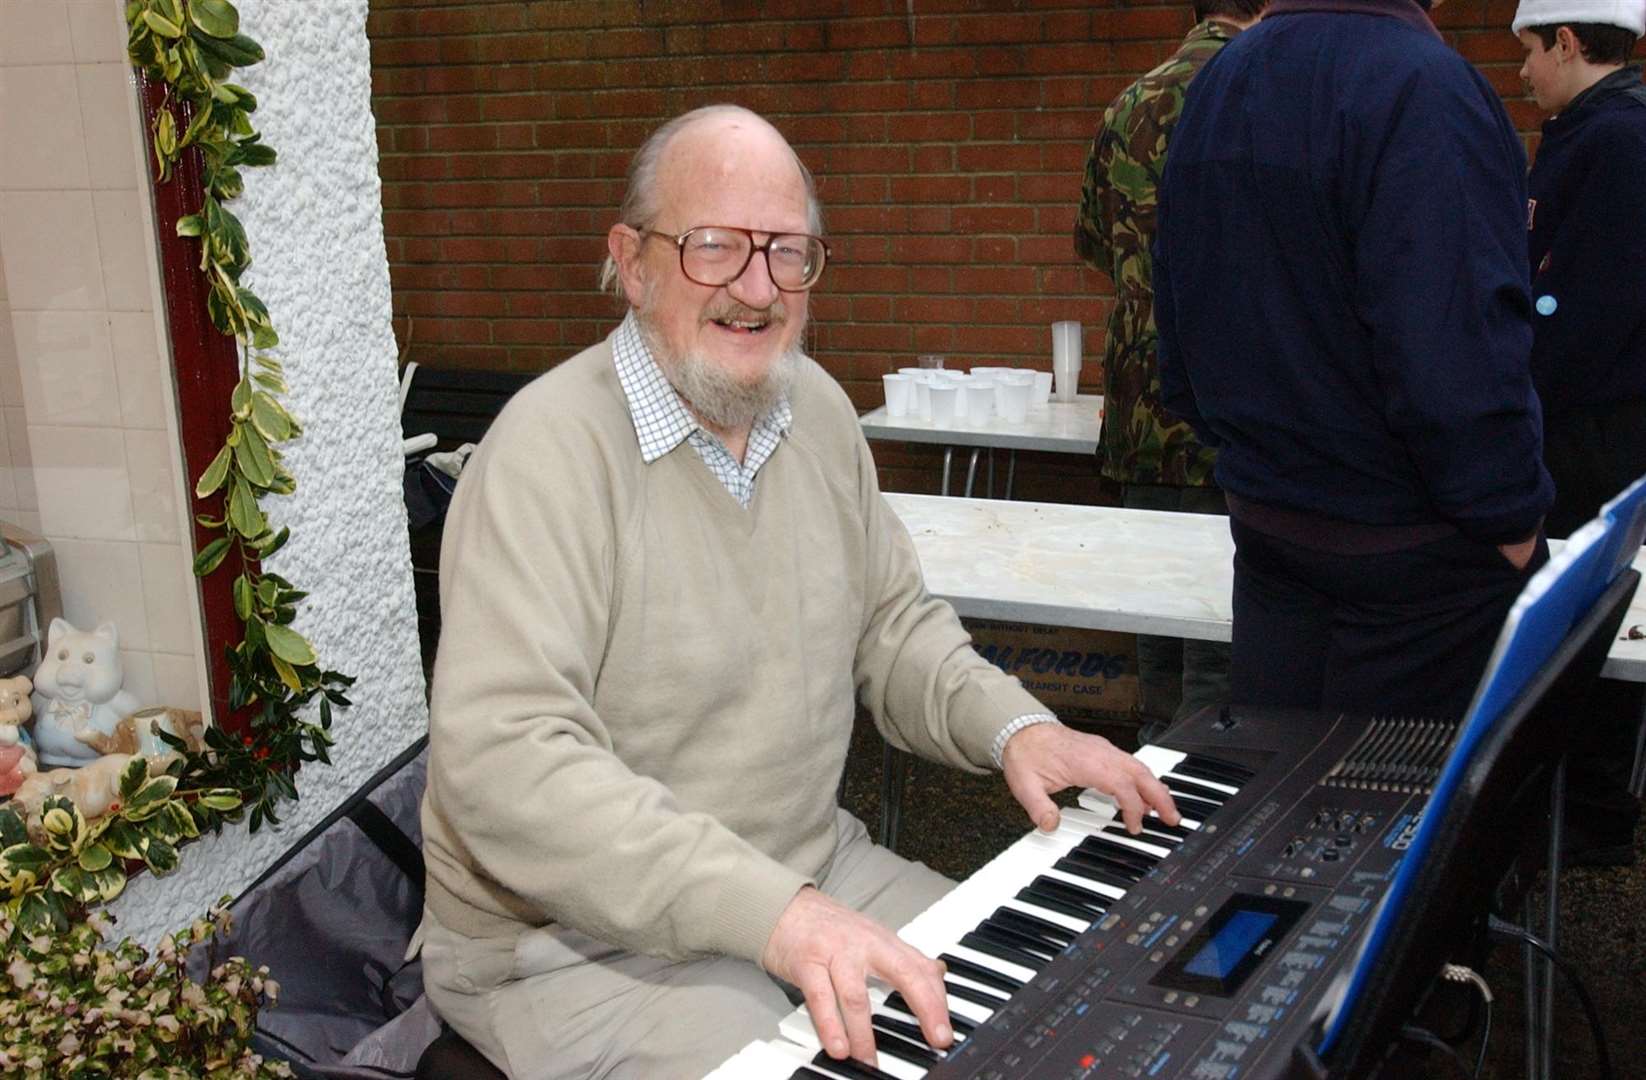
(913, 1053)
(1094, 903)
(1222, 764)
(1223, 772)
(1086, 868)
(1176, 783)
(1017, 939)
(1155, 825)
(1048, 931)
(985, 943)
(895, 1000)
(1191, 807)
(1121, 854)
(806, 1073)
(979, 974)
(909, 1031)
(1040, 898)
(849, 1067)
(986, 998)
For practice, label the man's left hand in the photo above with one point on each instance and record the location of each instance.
(1044, 759)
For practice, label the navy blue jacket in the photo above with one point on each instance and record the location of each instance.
(1588, 248)
(1339, 283)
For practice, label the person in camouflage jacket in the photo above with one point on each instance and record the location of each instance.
(1151, 453)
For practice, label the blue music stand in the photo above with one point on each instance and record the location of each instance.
(1555, 638)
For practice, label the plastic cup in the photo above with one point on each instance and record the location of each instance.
(944, 398)
(1011, 398)
(899, 391)
(1066, 359)
(1042, 390)
(921, 404)
(980, 398)
(929, 361)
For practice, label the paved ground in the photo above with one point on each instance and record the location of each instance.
(954, 823)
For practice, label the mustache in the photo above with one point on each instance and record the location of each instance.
(775, 313)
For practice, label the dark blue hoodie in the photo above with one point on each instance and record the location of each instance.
(1588, 248)
(1340, 284)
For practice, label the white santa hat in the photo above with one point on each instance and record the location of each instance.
(1628, 14)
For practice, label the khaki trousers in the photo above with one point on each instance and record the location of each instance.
(553, 1002)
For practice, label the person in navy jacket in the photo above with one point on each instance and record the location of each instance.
(1587, 220)
(1344, 312)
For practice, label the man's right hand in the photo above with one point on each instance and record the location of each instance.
(1519, 554)
(829, 951)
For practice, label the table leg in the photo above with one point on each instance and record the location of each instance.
(971, 471)
(948, 460)
(1011, 473)
(1637, 778)
(893, 768)
(991, 472)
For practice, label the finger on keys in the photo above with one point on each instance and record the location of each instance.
(1156, 795)
(851, 992)
(831, 1030)
(920, 980)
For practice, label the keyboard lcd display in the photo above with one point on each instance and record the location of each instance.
(1230, 945)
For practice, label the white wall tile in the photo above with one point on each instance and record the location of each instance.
(177, 679)
(22, 461)
(11, 381)
(67, 368)
(103, 582)
(37, 32)
(144, 398)
(124, 241)
(80, 479)
(97, 30)
(107, 117)
(48, 240)
(138, 670)
(8, 479)
(171, 596)
(151, 466)
(41, 128)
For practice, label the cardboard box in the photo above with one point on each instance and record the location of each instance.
(1087, 677)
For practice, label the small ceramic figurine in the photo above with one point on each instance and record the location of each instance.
(17, 761)
(77, 694)
(93, 788)
(135, 734)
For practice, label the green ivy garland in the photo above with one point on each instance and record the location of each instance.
(53, 868)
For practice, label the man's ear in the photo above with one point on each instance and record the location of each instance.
(623, 244)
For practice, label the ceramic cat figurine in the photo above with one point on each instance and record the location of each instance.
(77, 696)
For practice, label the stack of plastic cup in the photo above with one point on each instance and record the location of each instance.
(899, 394)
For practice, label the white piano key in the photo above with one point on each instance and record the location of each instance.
(1159, 759)
(797, 1028)
(1214, 785)
(993, 991)
(1099, 887)
(993, 963)
(1136, 843)
(765, 1059)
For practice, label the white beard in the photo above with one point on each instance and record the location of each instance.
(719, 398)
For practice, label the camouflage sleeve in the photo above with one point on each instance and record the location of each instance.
(1092, 224)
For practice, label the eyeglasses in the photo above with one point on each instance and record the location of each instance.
(718, 254)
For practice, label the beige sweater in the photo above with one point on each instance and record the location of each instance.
(644, 692)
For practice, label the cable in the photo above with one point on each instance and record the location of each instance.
(1505, 929)
(1459, 973)
(1428, 1038)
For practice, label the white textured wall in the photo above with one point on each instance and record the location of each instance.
(315, 225)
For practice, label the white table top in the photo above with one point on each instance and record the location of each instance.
(1061, 427)
(1107, 568)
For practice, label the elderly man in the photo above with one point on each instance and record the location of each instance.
(666, 571)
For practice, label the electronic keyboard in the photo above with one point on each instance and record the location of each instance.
(1203, 950)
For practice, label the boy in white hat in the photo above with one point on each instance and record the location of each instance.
(1587, 216)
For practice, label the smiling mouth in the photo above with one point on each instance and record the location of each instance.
(744, 326)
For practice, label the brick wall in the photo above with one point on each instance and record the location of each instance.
(948, 138)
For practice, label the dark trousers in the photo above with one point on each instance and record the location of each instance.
(1401, 633)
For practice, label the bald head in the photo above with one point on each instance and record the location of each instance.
(709, 145)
